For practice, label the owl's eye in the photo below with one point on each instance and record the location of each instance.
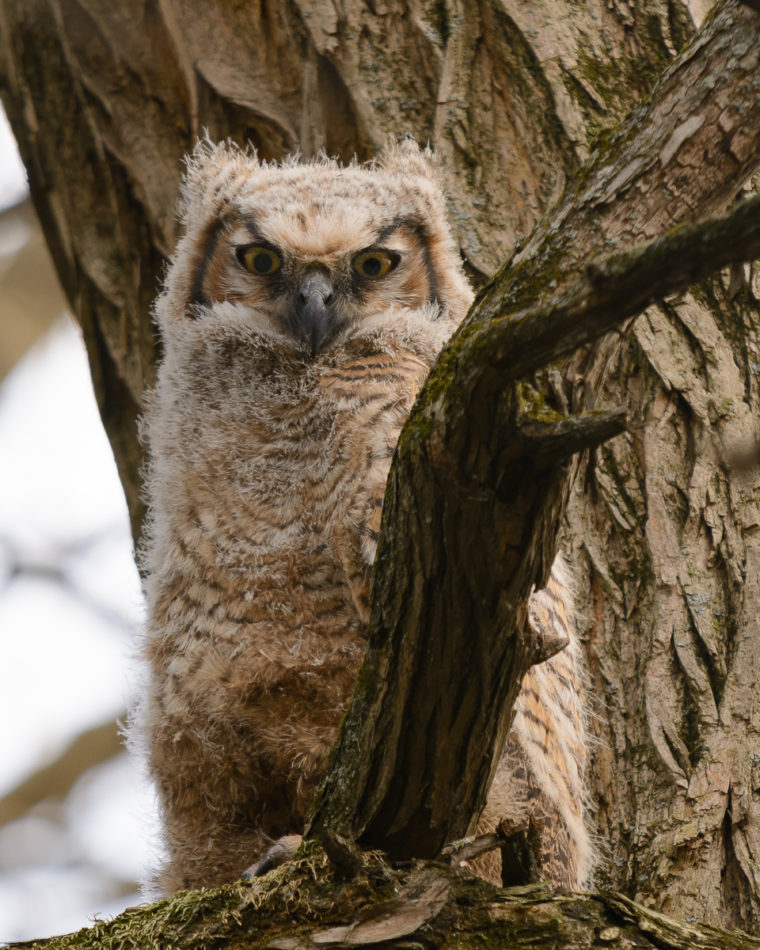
(375, 264)
(259, 260)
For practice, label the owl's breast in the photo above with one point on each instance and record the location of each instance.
(253, 481)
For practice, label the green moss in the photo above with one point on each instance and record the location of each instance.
(608, 90)
(532, 405)
(437, 388)
(245, 914)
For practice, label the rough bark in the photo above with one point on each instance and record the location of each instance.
(434, 734)
(510, 95)
(669, 557)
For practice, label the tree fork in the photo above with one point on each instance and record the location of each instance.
(400, 693)
(432, 759)
(434, 613)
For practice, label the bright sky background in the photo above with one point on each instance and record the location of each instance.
(63, 667)
(13, 184)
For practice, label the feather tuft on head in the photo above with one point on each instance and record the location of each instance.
(405, 157)
(210, 170)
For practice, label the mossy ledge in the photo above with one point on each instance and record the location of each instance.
(422, 905)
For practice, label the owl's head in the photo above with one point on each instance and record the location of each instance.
(310, 254)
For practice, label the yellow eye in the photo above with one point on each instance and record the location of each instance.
(375, 264)
(259, 260)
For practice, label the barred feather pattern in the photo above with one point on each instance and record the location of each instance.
(540, 774)
(265, 482)
(256, 636)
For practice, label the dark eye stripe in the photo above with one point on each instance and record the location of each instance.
(197, 293)
(417, 228)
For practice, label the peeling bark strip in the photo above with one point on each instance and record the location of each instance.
(683, 156)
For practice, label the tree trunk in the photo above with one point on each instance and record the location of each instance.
(661, 527)
(667, 557)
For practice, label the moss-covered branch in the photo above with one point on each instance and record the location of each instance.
(306, 905)
(517, 344)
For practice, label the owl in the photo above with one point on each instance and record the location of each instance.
(303, 309)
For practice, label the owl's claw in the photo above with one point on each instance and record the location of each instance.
(280, 852)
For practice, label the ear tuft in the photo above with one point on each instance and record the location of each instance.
(405, 157)
(209, 172)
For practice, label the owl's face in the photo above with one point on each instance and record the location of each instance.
(308, 261)
(311, 252)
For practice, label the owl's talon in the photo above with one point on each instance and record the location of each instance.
(280, 853)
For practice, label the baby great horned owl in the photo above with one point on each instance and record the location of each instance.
(302, 312)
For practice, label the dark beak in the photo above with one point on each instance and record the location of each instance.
(313, 316)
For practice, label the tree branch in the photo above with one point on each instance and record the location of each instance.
(608, 293)
(302, 907)
(464, 470)
(56, 780)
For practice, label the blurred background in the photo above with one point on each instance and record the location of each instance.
(77, 821)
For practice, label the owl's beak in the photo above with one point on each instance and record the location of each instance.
(313, 317)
